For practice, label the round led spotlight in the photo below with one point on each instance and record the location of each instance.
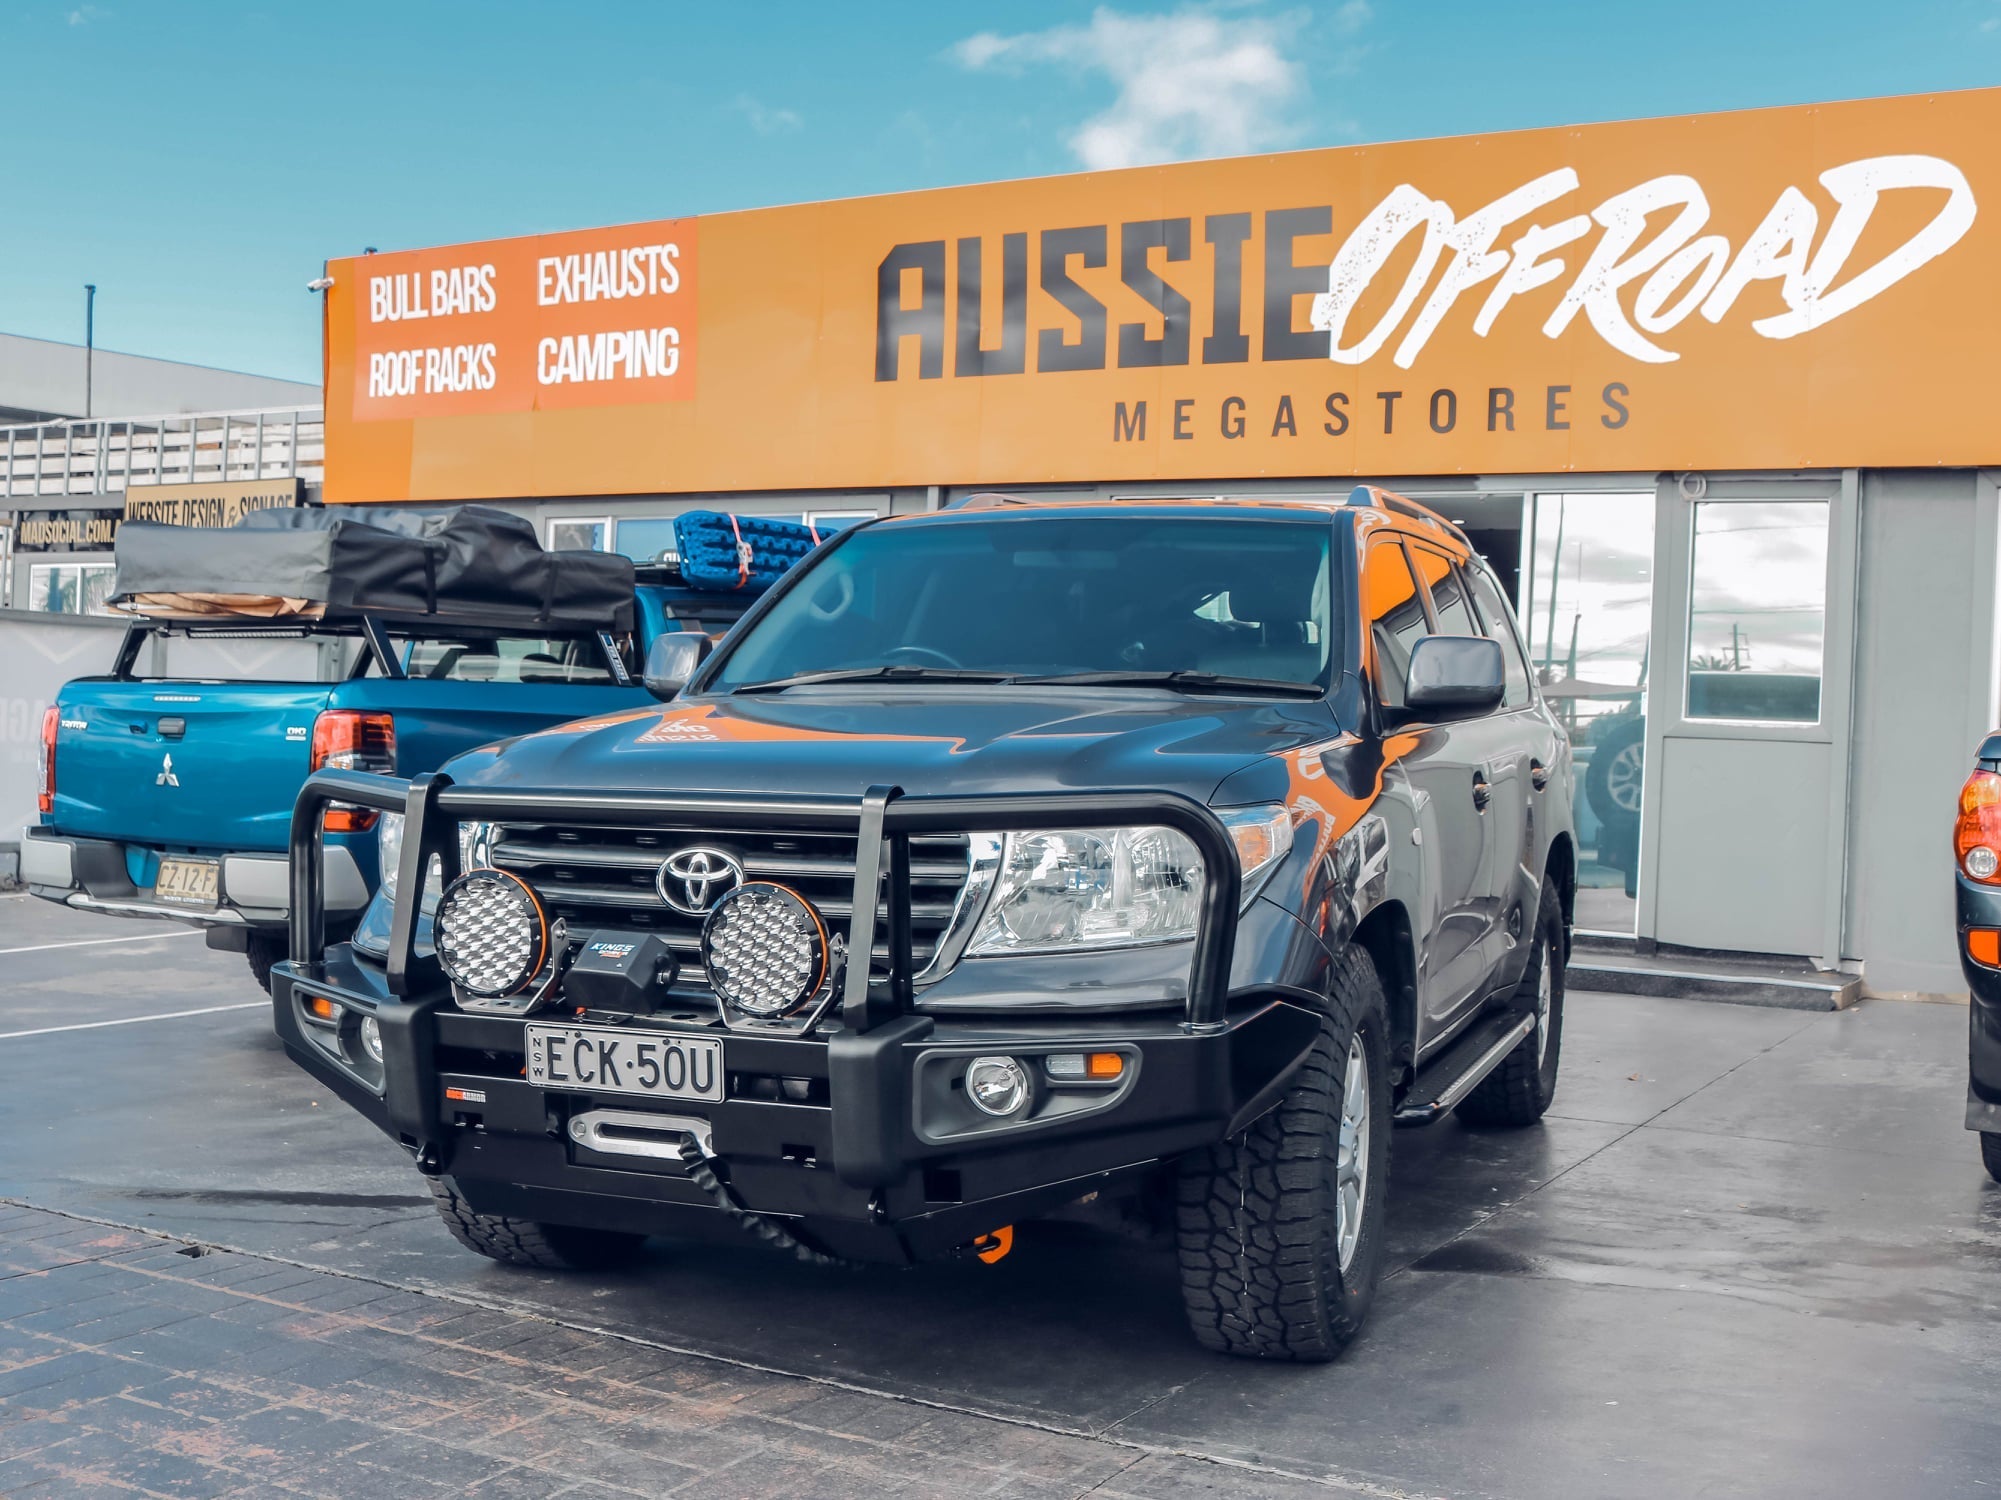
(371, 1037)
(765, 949)
(997, 1086)
(492, 935)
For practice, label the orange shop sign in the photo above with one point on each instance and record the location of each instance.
(1779, 288)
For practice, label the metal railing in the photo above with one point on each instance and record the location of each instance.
(103, 455)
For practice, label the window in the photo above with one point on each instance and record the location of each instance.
(1448, 592)
(71, 588)
(1757, 610)
(581, 534)
(1035, 596)
(507, 659)
(1395, 612)
(647, 539)
(1500, 625)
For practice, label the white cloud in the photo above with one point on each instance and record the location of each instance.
(766, 120)
(83, 15)
(1190, 84)
(1353, 16)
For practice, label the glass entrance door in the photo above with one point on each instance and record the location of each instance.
(1587, 607)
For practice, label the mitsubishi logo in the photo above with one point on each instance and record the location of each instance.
(166, 776)
(693, 880)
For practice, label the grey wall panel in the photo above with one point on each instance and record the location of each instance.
(1927, 598)
(1742, 827)
(38, 654)
(42, 376)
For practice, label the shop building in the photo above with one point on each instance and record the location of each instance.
(1715, 393)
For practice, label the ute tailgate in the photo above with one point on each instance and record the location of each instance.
(183, 765)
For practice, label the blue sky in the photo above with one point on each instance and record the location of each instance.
(199, 160)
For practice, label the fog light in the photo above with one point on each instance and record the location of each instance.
(371, 1037)
(1982, 862)
(492, 935)
(997, 1086)
(765, 949)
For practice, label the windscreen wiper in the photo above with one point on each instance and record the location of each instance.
(894, 672)
(1179, 682)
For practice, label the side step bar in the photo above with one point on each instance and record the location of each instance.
(1457, 1071)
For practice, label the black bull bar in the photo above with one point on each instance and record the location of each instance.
(1223, 1061)
(883, 820)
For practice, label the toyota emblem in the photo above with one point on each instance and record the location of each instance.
(693, 880)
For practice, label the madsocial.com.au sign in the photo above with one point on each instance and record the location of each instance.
(1768, 289)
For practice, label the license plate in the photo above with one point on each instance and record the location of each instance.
(647, 1064)
(186, 882)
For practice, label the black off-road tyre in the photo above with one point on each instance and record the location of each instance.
(1258, 1224)
(264, 949)
(1990, 1152)
(521, 1242)
(1519, 1091)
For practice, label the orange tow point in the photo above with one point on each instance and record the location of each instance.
(993, 1248)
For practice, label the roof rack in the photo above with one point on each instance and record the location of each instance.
(1371, 497)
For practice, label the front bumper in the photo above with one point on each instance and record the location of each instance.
(1980, 906)
(97, 875)
(847, 1130)
(856, 1166)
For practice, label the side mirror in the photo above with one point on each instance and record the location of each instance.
(1454, 677)
(671, 660)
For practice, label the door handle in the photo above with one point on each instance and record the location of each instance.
(1481, 795)
(173, 729)
(1538, 775)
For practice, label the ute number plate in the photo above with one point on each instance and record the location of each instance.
(187, 882)
(604, 1060)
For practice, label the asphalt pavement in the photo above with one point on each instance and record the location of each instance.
(1750, 1252)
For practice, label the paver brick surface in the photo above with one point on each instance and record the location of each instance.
(127, 1368)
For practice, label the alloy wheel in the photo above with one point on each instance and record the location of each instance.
(1351, 1161)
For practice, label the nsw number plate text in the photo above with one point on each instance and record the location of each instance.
(601, 1060)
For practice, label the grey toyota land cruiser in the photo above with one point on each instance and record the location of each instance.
(1152, 854)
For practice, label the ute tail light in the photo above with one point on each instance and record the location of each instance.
(346, 739)
(1976, 837)
(45, 769)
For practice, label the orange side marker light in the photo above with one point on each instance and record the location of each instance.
(1983, 946)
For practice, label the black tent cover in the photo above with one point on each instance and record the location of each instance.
(474, 565)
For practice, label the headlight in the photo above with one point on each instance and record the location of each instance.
(1115, 887)
(476, 841)
(389, 850)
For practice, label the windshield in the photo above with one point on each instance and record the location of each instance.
(1027, 596)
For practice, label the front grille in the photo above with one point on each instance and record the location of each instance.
(599, 878)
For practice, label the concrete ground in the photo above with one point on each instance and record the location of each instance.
(1750, 1252)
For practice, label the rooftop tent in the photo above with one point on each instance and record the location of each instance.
(473, 565)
